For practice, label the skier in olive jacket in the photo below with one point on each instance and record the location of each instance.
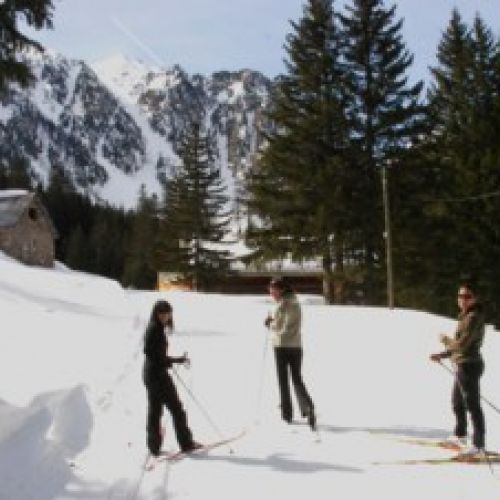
(159, 384)
(285, 325)
(464, 351)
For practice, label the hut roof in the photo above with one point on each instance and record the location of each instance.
(14, 202)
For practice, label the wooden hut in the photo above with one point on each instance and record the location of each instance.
(252, 282)
(26, 230)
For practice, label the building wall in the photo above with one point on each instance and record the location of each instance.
(31, 241)
(255, 284)
(168, 282)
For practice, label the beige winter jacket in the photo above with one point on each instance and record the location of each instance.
(465, 347)
(286, 322)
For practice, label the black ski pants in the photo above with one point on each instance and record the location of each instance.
(466, 397)
(289, 360)
(161, 391)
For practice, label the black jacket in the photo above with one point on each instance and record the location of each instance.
(155, 349)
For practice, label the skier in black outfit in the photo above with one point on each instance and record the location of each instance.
(159, 384)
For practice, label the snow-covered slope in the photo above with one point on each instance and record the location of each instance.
(118, 124)
(230, 104)
(72, 404)
(69, 118)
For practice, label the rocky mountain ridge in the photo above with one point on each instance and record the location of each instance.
(119, 122)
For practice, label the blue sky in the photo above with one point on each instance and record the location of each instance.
(208, 35)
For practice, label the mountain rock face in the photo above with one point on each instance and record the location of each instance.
(121, 121)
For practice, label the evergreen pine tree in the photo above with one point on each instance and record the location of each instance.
(386, 116)
(60, 198)
(300, 189)
(464, 101)
(77, 250)
(140, 269)
(101, 241)
(463, 146)
(17, 175)
(4, 178)
(195, 221)
(35, 13)
(172, 253)
(119, 225)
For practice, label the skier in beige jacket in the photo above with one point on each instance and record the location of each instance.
(285, 325)
(464, 351)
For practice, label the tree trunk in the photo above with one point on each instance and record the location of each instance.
(327, 278)
(339, 280)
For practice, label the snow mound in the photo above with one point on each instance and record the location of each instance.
(71, 416)
(42, 438)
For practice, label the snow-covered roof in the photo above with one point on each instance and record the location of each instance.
(13, 203)
(9, 193)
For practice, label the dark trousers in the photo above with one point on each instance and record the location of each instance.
(289, 360)
(162, 391)
(466, 397)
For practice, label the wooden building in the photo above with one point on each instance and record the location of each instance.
(26, 230)
(251, 282)
(168, 282)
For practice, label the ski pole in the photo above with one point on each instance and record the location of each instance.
(261, 382)
(200, 406)
(484, 452)
(489, 403)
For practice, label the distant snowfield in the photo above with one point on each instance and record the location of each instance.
(73, 407)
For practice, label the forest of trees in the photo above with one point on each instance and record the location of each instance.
(184, 232)
(344, 112)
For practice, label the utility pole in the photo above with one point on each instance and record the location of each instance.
(387, 236)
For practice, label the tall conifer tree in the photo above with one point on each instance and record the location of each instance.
(140, 268)
(386, 115)
(299, 192)
(465, 119)
(196, 221)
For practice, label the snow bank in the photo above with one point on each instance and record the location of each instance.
(38, 442)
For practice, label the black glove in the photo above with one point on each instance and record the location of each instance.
(268, 321)
(184, 360)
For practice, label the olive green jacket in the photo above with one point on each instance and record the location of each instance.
(286, 322)
(466, 346)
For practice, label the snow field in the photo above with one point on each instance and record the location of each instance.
(73, 407)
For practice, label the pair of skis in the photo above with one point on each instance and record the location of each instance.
(177, 456)
(482, 456)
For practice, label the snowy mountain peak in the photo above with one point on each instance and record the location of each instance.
(123, 75)
(117, 124)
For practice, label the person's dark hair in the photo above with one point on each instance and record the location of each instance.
(161, 306)
(471, 285)
(281, 283)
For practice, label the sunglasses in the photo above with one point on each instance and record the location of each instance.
(464, 296)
